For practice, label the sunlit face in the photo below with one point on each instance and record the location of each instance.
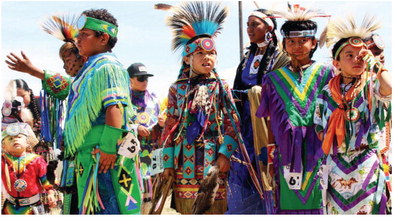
(24, 94)
(202, 62)
(72, 64)
(88, 43)
(15, 145)
(350, 61)
(256, 29)
(139, 83)
(300, 48)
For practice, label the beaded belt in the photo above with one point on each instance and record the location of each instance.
(23, 201)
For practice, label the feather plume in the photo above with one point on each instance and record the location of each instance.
(207, 191)
(323, 37)
(297, 13)
(10, 91)
(340, 28)
(195, 18)
(62, 26)
(161, 189)
(27, 116)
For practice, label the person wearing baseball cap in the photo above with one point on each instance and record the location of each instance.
(148, 122)
(138, 69)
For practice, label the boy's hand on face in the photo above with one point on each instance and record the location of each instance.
(223, 163)
(107, 161)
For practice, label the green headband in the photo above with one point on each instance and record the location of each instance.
(97, 25)
(354, 42)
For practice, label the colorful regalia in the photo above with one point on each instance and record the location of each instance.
(247, 90)
(23, 177)
(192, 158)
(53, 113)
(356, 180)
(146, 111)
(201, 118)
(53, 101)
(102, 82)
(27, 182)
(352, 118)
(288, 98)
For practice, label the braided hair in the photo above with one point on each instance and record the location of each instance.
(33, 107)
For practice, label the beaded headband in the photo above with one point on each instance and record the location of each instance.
(97, 25)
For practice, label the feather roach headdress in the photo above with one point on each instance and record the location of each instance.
(194, 24)
(342, 33)
(62, 27)
(297, 13)
(339, 28)
(299, 23)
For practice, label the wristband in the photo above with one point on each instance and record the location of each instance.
(109, 139)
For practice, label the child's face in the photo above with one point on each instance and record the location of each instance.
(299, 48)
(351, 61)
(202, 62)
(72, 64)
(89, 44)
(15, 145)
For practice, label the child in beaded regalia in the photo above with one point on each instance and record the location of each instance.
(201, 126)
(23, 173)
(350, 116)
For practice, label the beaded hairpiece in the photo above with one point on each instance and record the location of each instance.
(194, 25)
(339, 28)
(296, 13)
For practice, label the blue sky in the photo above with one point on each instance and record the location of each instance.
(144, 36)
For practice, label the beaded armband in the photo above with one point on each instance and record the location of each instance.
(56, 84)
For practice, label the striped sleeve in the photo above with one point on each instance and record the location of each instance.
(117, 89)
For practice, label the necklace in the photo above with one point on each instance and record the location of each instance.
(351, 77)
(352, 114)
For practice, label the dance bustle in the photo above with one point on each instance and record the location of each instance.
(206, 194)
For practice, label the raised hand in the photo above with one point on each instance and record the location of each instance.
(23, 64)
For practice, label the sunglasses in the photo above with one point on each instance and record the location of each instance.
(142, 78)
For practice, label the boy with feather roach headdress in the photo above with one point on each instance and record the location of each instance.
(56, 88)
(202, 124)
(288, 97)
(350, 117)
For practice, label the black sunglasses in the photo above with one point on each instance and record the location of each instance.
(142, 78)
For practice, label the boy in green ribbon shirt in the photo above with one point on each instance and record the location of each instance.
(98, 107)
(97, 112)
